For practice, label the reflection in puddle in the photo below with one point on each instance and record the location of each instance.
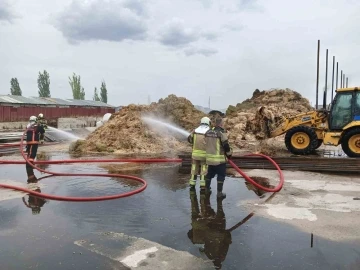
(261, 181)
(208, 228)
(34, 203)
(43, 156)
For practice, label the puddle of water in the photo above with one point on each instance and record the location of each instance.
(167, 212)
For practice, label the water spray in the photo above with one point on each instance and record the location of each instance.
(67, 134)
(151, 122)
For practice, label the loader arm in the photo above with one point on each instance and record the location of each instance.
(315, 119)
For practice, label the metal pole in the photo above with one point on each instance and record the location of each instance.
(326, 74)
(347, 81)
(312, 240)
(332, 84)
(337, 76)
(341, 77)
(344, 80)
(317, 75)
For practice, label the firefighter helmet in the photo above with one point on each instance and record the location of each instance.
(205, 120)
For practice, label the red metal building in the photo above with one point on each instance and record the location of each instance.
(18, 108)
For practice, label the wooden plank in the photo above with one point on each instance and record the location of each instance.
(320, 164)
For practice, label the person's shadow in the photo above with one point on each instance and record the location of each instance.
(209, 228)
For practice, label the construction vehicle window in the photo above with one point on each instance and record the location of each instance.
(341, 111)
(357, 104)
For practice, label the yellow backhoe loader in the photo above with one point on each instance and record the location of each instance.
(338, 125)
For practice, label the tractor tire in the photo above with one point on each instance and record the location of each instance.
(301, 140)
(350, 143)
(320, 142)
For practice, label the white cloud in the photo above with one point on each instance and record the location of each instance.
(175, 33)
(102, 20)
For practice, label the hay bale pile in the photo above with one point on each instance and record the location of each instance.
(127, 133)
(244, 125)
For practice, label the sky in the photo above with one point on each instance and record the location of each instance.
(222, 49)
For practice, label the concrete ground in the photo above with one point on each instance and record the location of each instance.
(323, 204)
(139, 253)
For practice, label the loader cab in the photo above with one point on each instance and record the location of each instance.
(345, 108)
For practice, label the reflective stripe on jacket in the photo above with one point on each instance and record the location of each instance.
(215, 153)
(197, 139)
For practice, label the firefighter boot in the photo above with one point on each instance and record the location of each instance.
(207, 188)
(220, 194)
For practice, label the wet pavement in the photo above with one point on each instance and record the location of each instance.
(166, 221)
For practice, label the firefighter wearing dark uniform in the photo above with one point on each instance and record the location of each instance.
(217, 152)
(34, 135)
(197, 139)
(209, 229)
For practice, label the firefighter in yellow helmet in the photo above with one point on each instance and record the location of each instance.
(42, 121)
(197, 139)
(217, 152)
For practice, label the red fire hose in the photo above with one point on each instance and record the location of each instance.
(247, 178)
(116, 196)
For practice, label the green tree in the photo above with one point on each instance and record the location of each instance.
(82, 93)
(103, 92)
(96, 95)
(77, 89)
(15, 87)
(44, 84)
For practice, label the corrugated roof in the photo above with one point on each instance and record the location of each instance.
(89, 103)
(8, 99)
(51, 101)
(58, 101)
(20, 99)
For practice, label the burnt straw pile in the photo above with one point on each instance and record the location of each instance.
(127, 133)
(244, 125)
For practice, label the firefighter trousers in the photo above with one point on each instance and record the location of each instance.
(198, 167)
(31, 151)
(220, 171)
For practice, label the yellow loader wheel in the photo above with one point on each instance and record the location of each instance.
(301, 140)
(350, 142)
